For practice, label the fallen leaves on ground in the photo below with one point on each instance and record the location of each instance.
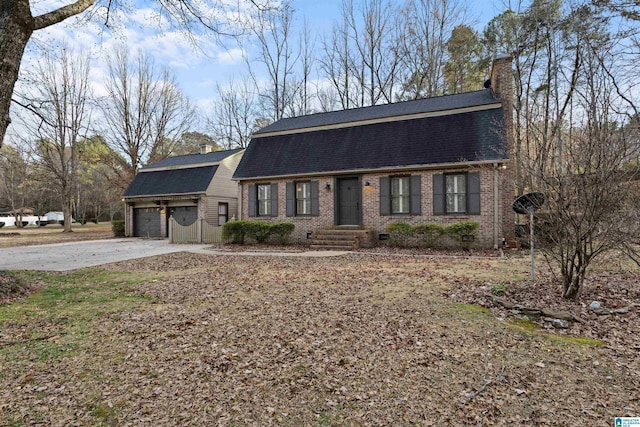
(352, 340)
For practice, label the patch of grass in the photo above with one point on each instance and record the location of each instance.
(13, 422)
(331, 418)
(56, 320)
(524, 325)
(498, 289)
(574, 340)
(83, 294)
(472, 308)
(107, 415)
(533, 329)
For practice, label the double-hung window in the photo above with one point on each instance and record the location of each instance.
(264, 199)
(400, 195)
(456, 193)
(303, 198)
(223, 213)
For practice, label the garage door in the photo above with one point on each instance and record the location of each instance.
(184, 215)
(146, 222)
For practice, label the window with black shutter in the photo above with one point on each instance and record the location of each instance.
(263, 199)
(456, 193)
(302, 198)
(400, 195)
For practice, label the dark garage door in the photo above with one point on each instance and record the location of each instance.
(184, 215)
(146, 222)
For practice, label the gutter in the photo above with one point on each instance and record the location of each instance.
(377, 170)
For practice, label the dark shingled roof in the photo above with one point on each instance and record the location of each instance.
(173, 181)
(193, 159)
(470, 136)
(427, 105)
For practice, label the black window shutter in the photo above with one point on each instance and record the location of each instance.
(416, 195)
(315, 202)
(274, 199)
(473, 193)
(438, 194)
(385, 195)
(291, 198)
(253, 199)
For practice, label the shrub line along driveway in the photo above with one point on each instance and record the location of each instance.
(74, 255)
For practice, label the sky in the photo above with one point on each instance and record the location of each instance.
(197, 73)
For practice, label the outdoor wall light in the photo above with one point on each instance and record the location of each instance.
(327, 186)
(367, 184)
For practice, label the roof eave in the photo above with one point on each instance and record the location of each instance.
(189, 166)
(379, 170)
(159, 196)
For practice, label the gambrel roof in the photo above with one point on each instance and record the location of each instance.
(188, 174)
(451, 129)
(171, 182)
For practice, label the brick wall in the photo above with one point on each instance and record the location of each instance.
(502, 84)
(371, 218)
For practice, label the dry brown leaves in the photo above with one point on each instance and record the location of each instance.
(354, 340)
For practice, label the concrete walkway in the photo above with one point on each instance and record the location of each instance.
(74, 255)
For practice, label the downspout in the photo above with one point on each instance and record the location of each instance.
(496, 206)
(238, 213)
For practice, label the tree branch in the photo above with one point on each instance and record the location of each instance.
(61, 14)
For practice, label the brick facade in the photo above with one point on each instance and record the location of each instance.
(496, 177)
(503, 87)
(490, 218)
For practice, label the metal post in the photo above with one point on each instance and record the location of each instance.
(531, 243)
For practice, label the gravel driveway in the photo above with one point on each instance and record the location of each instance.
(74, 255)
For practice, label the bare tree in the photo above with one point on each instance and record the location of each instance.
(337, 65)
(59, 97)
(13, 179)
(273, 32)
(17, 25)
(143, 115)
(423, 50)
(377, 59)
(579, 142)
(233, 119)
(303, 97)
(361, 58)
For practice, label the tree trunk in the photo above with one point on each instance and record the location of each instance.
(17, 24)
(16, 27)
(66, 210)
(572, 284)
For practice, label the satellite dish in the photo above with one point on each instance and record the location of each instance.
(528, 203)
(487, 83)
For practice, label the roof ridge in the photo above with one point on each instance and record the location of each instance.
(393, 109)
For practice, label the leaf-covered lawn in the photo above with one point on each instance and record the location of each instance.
(360, 339)
(52, 233)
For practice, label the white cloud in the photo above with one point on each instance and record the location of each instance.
(230, 57)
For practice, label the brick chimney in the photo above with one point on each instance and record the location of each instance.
(502, 87)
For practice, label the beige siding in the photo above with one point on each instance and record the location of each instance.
(223, 189)
(212, 208)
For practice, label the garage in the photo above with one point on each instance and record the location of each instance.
(184, 215)
(146, 222)
(183, 187)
